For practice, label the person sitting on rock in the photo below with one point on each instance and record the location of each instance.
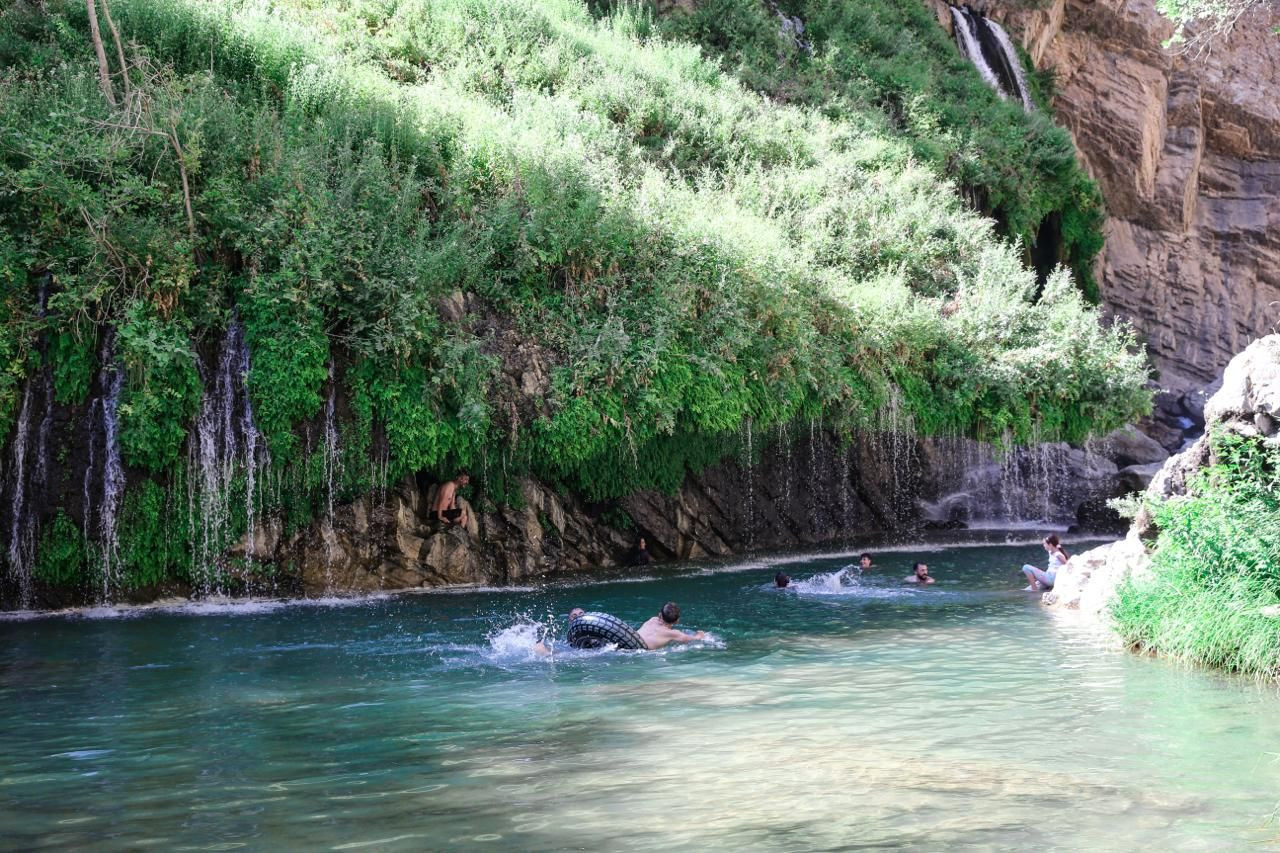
(639, 555)
(661, 629)
(543, 646)
(1038, 580)
(446, 509)
(921, 574)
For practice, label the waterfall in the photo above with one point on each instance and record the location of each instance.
(29, 467)
(986, 44)
(113, 479)
(792, 27)
(332, 470)
(226, 443)
(748, 473)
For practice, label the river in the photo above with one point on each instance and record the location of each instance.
(846, 712)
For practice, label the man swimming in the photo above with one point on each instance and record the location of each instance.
(921, 575)
(781, 580)
(864, 563)
(543, 646)
(660, 630)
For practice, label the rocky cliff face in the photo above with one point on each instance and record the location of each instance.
(1248, 403)
(796, 490)
(1187, 152)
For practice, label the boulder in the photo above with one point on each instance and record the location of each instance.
(1129, 446)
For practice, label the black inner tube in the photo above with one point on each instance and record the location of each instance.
(597, 630)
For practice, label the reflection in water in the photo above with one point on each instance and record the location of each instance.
(846, 711)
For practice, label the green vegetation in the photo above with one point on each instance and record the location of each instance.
(887, 66)
(686, 255)
(1199, 23)
(1213, 595)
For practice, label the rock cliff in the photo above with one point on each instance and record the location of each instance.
(1187, 153)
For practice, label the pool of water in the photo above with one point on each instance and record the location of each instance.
(841, 714)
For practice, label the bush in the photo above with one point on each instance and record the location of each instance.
(1215, 566)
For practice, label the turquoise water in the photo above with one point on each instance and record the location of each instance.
(838, 715)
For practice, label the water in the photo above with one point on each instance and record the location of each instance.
(986, 44)
(857, 714)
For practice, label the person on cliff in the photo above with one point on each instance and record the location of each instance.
(446, 509)
(920, 575)
(661, 629)
(639, 555)
(543, 646)
(1038, 580)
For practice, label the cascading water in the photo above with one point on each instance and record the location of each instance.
(112, 478)
(29, 469)
(986, 44)
(332, 470)
(792, 27)
(985, 486)
(226, 444)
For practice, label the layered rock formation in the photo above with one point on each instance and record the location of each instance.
(1248, 404)
(1187, 153)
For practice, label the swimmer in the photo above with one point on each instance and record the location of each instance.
(865, 564)
(544, 647)
(660, 629)
(921, 575)
(781, 580)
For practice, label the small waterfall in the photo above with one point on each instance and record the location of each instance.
(986, 44)
(226, 443)
(896, 442)
(747, 465)
(29, 467)
(982, 485)
(792, 27)
(332, 471)
(113, 479)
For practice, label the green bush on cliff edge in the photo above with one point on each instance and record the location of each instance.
(1213, 593)
(685, 257)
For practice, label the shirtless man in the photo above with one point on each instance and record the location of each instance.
(864, 563)
(660, 629)
(446, 509)
(921, 575)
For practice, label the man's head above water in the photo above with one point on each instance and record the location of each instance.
(575, 613)
(922, 570)
(670, 613)
(781, 580)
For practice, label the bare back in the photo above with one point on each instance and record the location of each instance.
(657, 634)
(444, 500)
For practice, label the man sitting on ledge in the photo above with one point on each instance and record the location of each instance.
(446, 509)
(661, 629)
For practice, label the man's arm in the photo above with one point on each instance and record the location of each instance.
(682, 637)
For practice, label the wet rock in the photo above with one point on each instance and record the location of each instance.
(1128, 446)
(1136, 478)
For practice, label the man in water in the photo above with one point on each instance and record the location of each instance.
(543, 646)
(781, 580)
(864, 563)
(661, 629)
(446, 509)
(921, 575)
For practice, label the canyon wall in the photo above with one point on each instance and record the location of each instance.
(1187, 152)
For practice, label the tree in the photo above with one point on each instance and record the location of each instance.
(1200, 23)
